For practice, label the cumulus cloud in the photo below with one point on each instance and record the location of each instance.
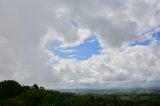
(137, 63)
(28, 26)
(114, 20)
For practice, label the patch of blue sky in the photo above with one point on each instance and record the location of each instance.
(74, 23)
(148, 31)
(147, 41)
(143, 43)
(53, 44)
(157, 36)
(82, 51)
(54, 62)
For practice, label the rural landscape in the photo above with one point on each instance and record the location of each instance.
(14, 94)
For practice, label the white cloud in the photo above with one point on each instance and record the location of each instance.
(128, 64)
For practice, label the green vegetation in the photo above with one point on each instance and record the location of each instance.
(13, 94)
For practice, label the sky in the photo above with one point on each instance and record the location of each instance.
(75, 44)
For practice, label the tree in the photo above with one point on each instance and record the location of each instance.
(35, 86)
(10, 88)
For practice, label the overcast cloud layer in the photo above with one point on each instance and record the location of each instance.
(27, 27)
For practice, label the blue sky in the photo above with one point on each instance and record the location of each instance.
(147, 41)
(83, 51)
(143, 43)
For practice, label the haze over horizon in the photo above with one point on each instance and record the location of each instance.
(89, 44)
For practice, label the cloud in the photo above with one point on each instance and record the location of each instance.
(28, 26)
(115, 22)
(23, 23)
(127, 64)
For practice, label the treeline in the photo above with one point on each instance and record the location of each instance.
(14, 94)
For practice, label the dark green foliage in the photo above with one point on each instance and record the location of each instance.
(26, 88)
(32, 97)
(10, 89)
(13, 94)
(35, 86)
